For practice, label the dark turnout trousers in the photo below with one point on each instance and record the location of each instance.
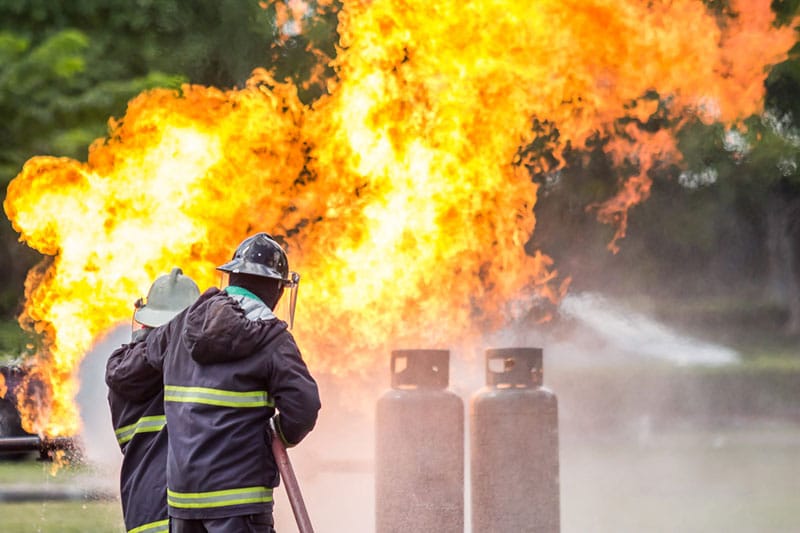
(252, 523)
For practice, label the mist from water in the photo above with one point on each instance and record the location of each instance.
(97, 437)
(598, 331)
(600, 362)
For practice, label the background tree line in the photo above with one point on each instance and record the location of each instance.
(717, 244)
(67, 67)
(719, 236)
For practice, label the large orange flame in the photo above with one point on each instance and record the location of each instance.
(398, 194)
(173, 184)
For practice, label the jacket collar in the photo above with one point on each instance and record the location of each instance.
(253, 306)
(233, 290)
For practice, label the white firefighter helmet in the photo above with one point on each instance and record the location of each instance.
(169, 295)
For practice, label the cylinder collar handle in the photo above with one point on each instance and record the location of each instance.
(514, 367)
(420, 369)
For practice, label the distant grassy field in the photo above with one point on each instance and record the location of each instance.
(33, 471)
(61, 517)
(82, 516)
(736, 481)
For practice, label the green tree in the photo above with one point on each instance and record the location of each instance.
(51, 107)
(67, 67)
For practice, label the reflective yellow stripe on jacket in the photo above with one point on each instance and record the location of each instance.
(219, 498)
(224, 398)
(143, 425)
(161, 526)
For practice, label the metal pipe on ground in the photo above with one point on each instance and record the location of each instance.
(36, 493)
(44, 446)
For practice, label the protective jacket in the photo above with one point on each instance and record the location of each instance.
(136, 400)
(228, 364)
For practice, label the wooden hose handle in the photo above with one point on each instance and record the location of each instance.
(290, 482)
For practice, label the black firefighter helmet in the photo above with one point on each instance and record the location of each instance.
(259, 255)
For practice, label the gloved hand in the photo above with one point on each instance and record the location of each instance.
(275, 425)
(140, 334)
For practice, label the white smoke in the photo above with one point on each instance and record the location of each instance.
(598, 331)
(623, 332)
(97, 434)
(335, 464)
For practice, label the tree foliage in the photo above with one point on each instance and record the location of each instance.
(67, 67)
(51, 101)
(725, 224)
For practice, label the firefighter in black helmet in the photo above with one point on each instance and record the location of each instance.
(136, 400)
(224, 378)
(261, 264)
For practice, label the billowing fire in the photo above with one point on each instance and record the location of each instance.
(179, 181)
(400, 195)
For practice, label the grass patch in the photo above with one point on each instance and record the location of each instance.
(33, 471)
(739, 481)
(62, 517)
(81, 516)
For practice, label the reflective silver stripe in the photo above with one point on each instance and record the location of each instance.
(225, 398)
(218, 498)
(153, 527)
(254, 308)
(143, 425)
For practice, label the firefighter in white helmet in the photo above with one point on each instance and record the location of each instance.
(136, 400)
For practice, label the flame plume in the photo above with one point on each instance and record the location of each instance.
(400, 194)
(171, 185)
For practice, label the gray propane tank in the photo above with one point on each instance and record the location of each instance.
(514, 447)
(419, 447)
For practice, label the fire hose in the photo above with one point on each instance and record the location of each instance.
(290, 482)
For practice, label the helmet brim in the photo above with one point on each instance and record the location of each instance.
(237, 266)
(153, 318)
